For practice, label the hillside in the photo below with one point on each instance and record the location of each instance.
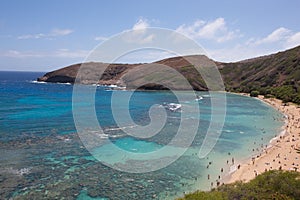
(277, 74)
(269, 185)
(132, 75)
(273, 75)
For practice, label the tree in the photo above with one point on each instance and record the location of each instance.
(254, 93)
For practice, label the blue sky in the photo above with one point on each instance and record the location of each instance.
(46, 35)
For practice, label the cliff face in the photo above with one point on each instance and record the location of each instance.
(132, 75)
(273, 71)
(68, 74)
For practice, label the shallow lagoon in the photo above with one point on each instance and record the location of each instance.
(43, 157)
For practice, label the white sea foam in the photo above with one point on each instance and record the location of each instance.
(172, 106)
(38, 82)
(119, 128)
(274, 139)
(97, 85)
(199, 98)
(113, 87)
(65, 83)
(43, 82)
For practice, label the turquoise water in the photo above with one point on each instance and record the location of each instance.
(43, 157)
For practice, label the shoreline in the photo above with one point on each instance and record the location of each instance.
(281, 152)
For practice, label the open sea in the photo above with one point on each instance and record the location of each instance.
(43, 157)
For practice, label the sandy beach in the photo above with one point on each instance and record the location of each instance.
(281, 152)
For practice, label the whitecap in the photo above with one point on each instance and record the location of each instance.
(38, 82)
(198, 98)
(112, 86)
(173, 106)
(64, 83)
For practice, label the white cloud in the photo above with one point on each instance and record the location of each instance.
(31, 36)
(66, 53)
(60, 53)
(210, 29)
(238, 52)
(141, 24)
(19, 54)
(278, 40)
(280, 34)
(100, 38)
(145, 39)
(5, 36)
(52, 34)
(293, 40)
(138, 33)
(216, 30)
(283, 37)
(144, 56)
(60, 32)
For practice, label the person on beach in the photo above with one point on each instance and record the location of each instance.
(281, 154)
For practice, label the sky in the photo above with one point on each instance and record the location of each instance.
(50, 34)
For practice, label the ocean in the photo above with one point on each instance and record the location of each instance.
(44, 157)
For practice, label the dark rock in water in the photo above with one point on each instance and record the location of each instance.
(153, 86)
(57, 79)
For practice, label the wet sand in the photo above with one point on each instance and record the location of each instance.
(281, 154)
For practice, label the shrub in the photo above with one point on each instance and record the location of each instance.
(283, 185)
(254, 93)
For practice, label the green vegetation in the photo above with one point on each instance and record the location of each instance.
(276, 75)
(273, 185)
(187, 68)
(287, 93)
(254, 93)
